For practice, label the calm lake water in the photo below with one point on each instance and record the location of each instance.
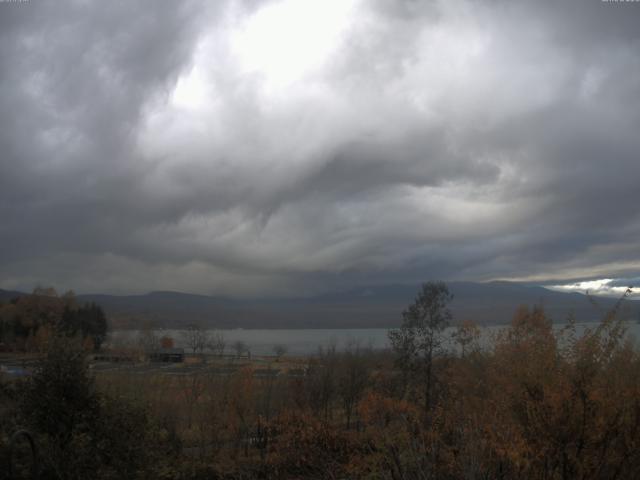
(308, 341)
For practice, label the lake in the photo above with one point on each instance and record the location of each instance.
(308, 341)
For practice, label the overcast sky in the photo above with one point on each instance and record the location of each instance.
(291, 147)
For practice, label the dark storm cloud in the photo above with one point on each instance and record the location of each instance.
(161, 145)
(75, 79)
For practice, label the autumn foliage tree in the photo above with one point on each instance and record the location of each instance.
(27, 321)
(538, 400)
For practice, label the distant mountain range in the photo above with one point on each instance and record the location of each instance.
(375, 306)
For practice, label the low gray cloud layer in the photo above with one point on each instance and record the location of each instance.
(253, 147)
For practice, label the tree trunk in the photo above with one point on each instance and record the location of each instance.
(428, 382)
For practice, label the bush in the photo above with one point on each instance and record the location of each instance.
(81, 433)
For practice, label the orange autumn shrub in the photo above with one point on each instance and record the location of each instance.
(303, 446)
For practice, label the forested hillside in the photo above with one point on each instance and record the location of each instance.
(376, 306)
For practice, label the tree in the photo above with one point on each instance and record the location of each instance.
(22, 319)
(88, 320)
(353, 378)
(80, 432)
(466, 335)
(59, 401)
(93, 323)
(420, 337)
(191, 387)
(279, 350)
(148, 339)
(196, 338)
(240, 347)
(60, 391)
(322, 380)
(217, 343)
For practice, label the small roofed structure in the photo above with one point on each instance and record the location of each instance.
(167, 355)
(114, 357)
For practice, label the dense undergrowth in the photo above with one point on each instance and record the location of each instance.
(538, 403)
